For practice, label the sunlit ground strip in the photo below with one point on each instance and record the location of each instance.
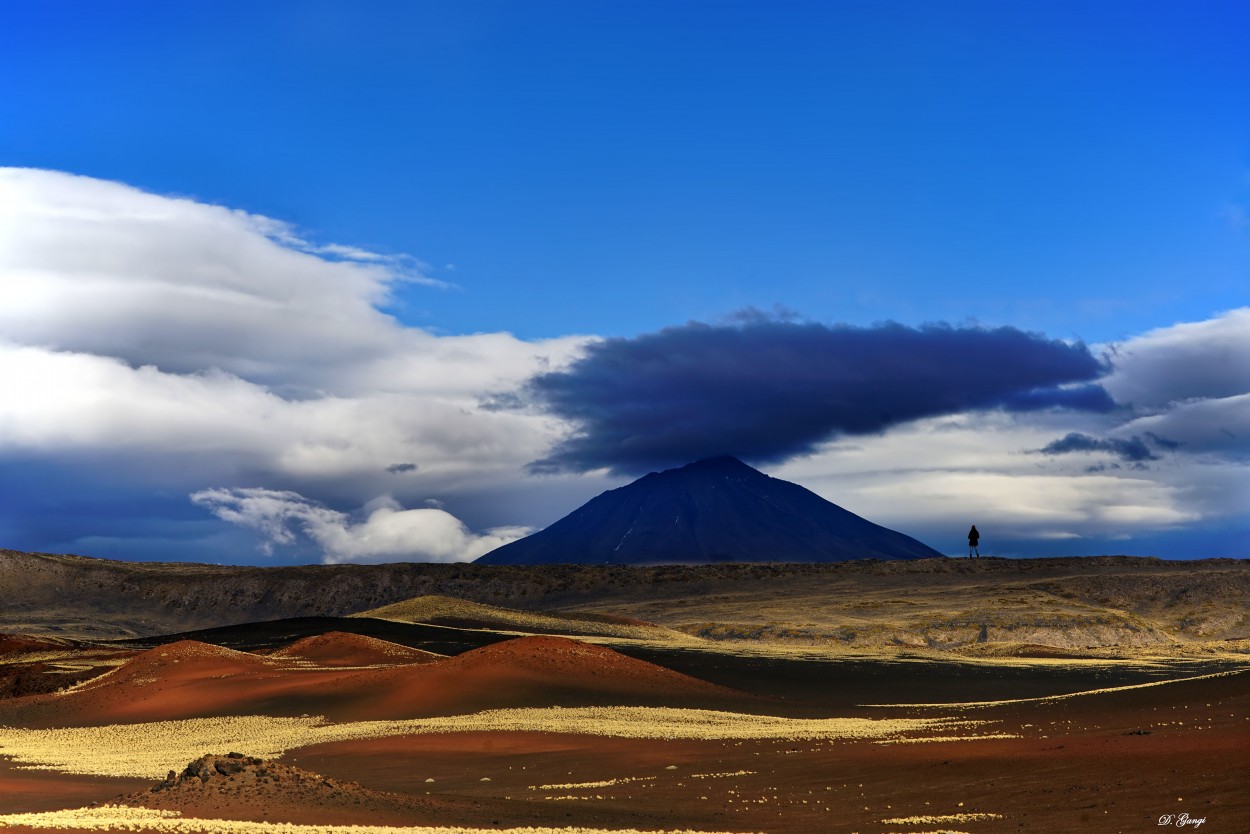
(924, 739)
(118, 817)
(515, 621)
(941, 818)
(151, 750)
(605, 783)
(1052, 698)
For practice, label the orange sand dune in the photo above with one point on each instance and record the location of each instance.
(526, 672)
(188, 679)
(339, 648)
(185, 679)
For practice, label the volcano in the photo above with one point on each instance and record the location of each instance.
(713, 510)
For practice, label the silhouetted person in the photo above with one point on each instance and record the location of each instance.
(973, 538)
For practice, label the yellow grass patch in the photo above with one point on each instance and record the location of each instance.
(124, 818)
(606, 783)
(151, 750)
(924, 739)
(941, 818)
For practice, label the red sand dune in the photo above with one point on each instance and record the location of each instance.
(185, 679)
(339, 648)
(528, 671)
(188, 679)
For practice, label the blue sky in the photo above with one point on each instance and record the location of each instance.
(507, 184)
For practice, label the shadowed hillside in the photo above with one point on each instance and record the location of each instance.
(715, 510)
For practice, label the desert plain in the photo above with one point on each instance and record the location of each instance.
(1107, 694)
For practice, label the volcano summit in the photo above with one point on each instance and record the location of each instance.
(714, 510)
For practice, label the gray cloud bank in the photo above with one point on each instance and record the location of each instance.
(769, 390)
(1132, 449)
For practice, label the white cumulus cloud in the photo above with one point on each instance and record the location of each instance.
(178, 345)
(386, 533)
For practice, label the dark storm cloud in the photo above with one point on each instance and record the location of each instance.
(401, 468)
(1133, 449)
(767, 390)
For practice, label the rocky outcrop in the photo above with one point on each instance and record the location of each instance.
(211, 767)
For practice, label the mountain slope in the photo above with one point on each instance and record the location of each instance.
(714, 510)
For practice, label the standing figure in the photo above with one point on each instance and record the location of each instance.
(973, 538)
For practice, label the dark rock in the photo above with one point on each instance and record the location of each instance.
(229, 767)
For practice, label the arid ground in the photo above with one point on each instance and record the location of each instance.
(1103, 694)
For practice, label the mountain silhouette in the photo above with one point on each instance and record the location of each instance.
(713, 510)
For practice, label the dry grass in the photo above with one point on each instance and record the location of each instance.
(431, 608)
(925, 739)
(941, 818)
(1070, 605)
(151, 750)
(123, 818)
(605, 783)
